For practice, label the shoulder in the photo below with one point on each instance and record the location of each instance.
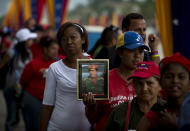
(56, 67)
(113, 72)
(56, 64)
(159, 106)
(121, 108)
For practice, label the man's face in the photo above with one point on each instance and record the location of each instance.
(93, 72)
(139, 26)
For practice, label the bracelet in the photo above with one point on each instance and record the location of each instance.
(155, 54)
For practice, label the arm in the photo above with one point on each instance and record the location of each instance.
(48, 100)
(144, 124)
(153, 44)
(94, 110)
(45, 115)
(90, 108)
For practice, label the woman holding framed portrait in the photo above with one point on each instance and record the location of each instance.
(60, 110)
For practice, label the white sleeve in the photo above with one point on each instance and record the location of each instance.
(50, 88)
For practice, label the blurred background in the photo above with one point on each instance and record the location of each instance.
(87, 12)
(169, 19)
(94, 14)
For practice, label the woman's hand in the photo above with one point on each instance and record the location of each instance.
(89, 100)
(168, 119)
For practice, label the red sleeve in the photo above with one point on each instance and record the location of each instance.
(153, 118)
(27, 74)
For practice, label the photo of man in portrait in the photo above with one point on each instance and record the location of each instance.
(93, 82)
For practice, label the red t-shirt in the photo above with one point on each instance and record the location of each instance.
(36, 50)
(119, 92)
(33, 76)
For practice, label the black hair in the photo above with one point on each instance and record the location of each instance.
(46, 41)
(127, 20)
(107, 36)
(79, 28)
(37, 28)
(109, 33)
(20, 50)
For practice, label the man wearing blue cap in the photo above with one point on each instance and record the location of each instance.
(136, 22)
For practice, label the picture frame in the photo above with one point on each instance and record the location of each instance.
(93, 76)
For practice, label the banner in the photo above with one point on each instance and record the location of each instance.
(163, 13)
(21, 10)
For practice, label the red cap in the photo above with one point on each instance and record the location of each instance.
(176, 58)
(92, 66)
(146, 69)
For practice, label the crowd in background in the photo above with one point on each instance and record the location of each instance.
(38, 76)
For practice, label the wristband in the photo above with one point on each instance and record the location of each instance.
(154, 54)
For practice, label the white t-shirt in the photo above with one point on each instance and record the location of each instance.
(60, 91)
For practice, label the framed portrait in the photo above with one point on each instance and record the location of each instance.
(92, 76)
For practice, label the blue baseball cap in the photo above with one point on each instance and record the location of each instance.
(131, 40)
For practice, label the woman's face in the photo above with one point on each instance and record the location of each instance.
(29, 43)
(175, 81)
(52, 50)
(147, 88)
(129, 58)
(71, 41)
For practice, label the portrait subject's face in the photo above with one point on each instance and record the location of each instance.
(93, 73)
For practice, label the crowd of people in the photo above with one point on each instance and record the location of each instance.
(38, 76)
